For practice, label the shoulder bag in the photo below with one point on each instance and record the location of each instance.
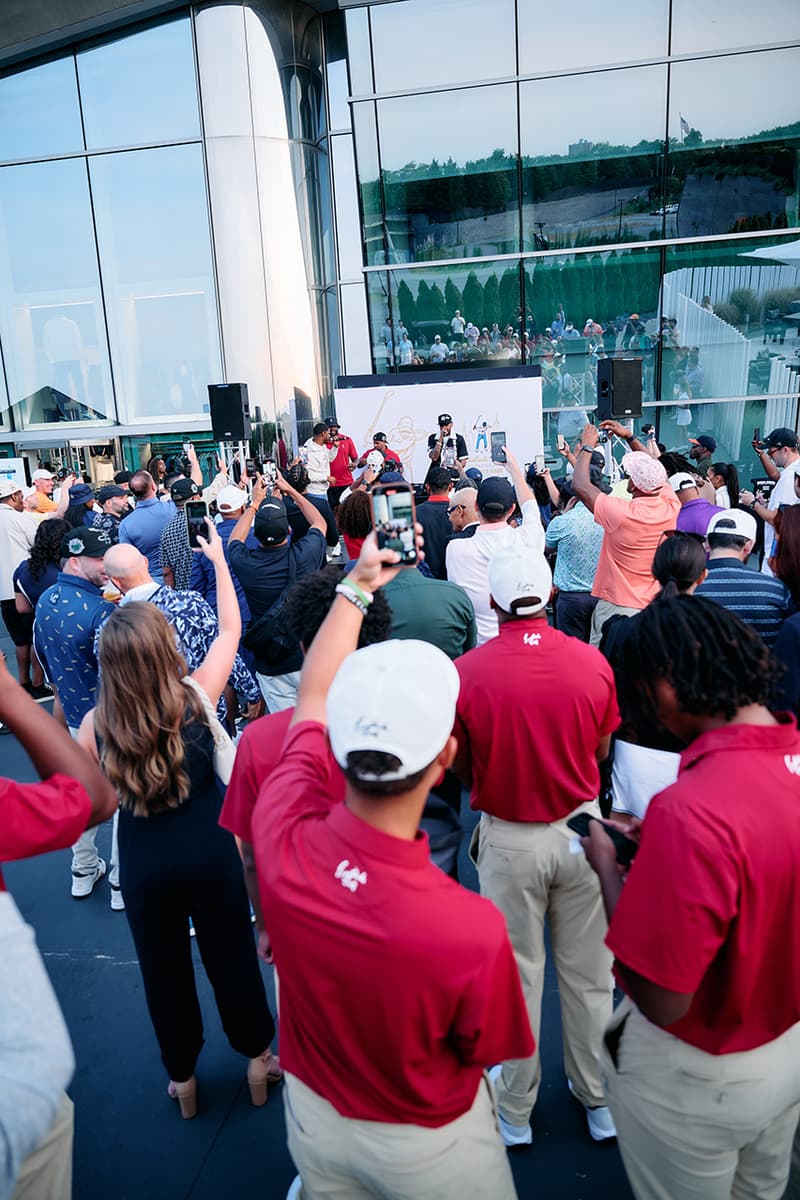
(224, 749)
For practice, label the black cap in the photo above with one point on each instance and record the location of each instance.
(184, 489)
(495, 497)
(109, 491)
(271, 524)
(379, 437)
(445, 419)
(85, 542)
(332, 423)
(123, 477)
(779, 438)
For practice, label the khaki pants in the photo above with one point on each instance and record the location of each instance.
(603, 610)
(697, 1126)
(46, 1174)
(340, 1158)
(530, 873)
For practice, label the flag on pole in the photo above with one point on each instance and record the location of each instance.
(684, 125)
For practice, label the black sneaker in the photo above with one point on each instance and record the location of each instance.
(42, 693)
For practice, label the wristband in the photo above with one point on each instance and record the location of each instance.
(753, 504)
(355, 596)
(363, 596)
(588, 449)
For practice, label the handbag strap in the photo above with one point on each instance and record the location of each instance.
(277, 603)
(217, 730)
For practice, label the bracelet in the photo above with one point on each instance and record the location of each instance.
(363, 596)
(588, 449)
(343, 589)
(753, 504)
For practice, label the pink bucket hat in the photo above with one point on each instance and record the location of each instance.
(647, 473)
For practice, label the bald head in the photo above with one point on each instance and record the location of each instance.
(127, 567)
(463, 508)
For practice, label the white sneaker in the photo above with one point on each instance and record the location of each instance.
(336, 552)
(295, 1191)
(600, 1121)
(512, 1135)
(117, 902)
(83, 881)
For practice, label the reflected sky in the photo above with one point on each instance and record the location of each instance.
(613, 32)
(728, 24)
(39, 113)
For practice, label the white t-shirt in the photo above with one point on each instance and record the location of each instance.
(17, 531)
(782, 493)
(318, 467)
(467, 561)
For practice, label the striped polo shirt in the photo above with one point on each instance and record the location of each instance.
(759, 600)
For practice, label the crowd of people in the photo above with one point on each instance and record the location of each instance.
(597, 663)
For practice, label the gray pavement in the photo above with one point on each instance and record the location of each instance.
(130, 1143)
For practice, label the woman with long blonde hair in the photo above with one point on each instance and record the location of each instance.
(152, 738)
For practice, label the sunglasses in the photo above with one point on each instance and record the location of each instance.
(455, 508)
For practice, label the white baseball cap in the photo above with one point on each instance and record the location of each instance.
(735, 521)
(231, 499)
(8, 487)
(681, 480)
(398, 697)
(520, 574)
(42, 474)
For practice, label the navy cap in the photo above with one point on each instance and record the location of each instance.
(495, 496)
(780, 438)
(109, 491)
(474, 474)
(271, 524)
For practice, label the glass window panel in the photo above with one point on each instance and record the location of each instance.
(366, 139)
(585, 307)
(585, 180)
(51, 319)
(380, 313)
(336, 68)
(449, 167)
(733, 152)
(422, 43)
(39, 112)
(465, 313)
(357, 353)
(140, 88)
(615, 34)
(312, 188)
(731, 24)
(348, 227)
(736, 312)
(359, 52)
(153, 235)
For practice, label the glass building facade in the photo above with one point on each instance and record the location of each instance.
(278, 195)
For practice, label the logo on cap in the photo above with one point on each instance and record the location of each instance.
(75, 546)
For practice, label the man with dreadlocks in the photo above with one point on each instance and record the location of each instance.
(702, 1058)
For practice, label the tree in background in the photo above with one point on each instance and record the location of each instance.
(453, 298)
(406, 306)
(492, 311)
(473, 301)
(509, 295)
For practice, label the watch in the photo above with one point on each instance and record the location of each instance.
(588, 449)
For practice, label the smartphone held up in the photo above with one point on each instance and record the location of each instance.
(498, 447)
(196, 513)
(394, 517)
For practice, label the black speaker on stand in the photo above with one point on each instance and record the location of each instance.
(619, 388)
(230, 412)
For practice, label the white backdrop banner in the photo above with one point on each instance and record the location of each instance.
(408, 415)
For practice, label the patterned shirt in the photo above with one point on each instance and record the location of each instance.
(759, 600)
(68, 617)
(176, 552)
(109, 522)
(195, 625)
(578, 540)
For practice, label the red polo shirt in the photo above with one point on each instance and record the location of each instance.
(533, 707)
(340, 467)
(398, 987)
(36, 818)
(258, 753)
(712, 902)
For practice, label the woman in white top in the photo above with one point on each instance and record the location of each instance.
(725, 480)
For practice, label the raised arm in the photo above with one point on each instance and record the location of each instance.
(624, 434)
(214, 670)
(338, 635)
(521, 489)
(582, 485)
(50, 747)
(63, 498)
(242, 527)
(310, 511)
(195, 470)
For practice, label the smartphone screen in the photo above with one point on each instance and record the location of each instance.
(561, 441)
(394, 517)
(757, 434)
(498, 453)
(539, 463)
(196, 513)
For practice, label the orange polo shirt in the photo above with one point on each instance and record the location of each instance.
(633, 530)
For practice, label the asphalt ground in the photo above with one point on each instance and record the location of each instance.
(130, 1143)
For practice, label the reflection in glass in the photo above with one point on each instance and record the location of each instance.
(587, 307)
(366, 138)
(39, 112)
(51, 321)
(355, 327)
(733, 312)
(346, 202)
(359, 51)
(449, 166)
(614, 34)
(153, 236)
(459, 314)
(425, 43)
(140, 88)
(733, 147)
(336, 69)
(593, 176)
(727, 25)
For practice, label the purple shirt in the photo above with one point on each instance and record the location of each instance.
(695, 516)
